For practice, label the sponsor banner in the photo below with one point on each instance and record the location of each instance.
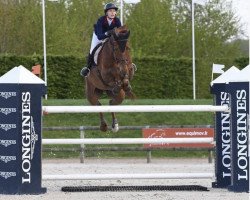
(7, 95)
(222, 137)
(8, 100)
(7, 127)
(29, 137)
(239, 92)
(7, 143)
(7, 111)
(20, 138)
(7, 159)
(178, 133)
(6, 175)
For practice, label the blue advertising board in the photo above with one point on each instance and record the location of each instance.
(20, 138)
(222, 137)
(239, 98)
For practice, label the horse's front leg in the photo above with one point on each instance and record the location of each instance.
(115, 125)
(116, 100)
(103, 125)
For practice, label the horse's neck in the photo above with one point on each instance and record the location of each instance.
(107, 54)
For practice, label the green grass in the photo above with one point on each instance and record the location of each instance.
(125, 119)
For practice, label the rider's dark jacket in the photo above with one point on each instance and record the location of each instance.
(103, 26)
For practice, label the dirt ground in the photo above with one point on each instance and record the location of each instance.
(91, 166)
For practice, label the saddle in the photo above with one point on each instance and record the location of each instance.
(96, 51)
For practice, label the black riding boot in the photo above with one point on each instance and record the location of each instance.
(85, 71)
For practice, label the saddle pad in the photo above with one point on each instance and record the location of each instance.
(97, 53)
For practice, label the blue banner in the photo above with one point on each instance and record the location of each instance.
(20, 138)
(222, 138)
(239, 95)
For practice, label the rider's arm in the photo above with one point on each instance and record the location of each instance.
(99, 29)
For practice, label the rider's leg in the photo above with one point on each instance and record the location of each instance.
(85, 71)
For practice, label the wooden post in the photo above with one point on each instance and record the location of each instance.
(37, 70)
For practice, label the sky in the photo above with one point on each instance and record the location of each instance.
(242, 9)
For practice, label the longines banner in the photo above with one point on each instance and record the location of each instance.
(20, 138)
(239, 95)
(223, 137)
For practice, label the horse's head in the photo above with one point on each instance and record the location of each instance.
(121, 36)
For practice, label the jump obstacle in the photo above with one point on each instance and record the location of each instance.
(153, 108)
(20, 138)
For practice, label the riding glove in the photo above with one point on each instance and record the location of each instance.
(109, 33)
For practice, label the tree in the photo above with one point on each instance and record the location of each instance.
(167, 23)
(152, 28)
(69, 26)
(21, 27)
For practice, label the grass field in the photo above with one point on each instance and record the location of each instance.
(125, 119)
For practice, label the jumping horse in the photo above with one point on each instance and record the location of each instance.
(112, 74)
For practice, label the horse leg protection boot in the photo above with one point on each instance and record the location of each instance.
(85, 71)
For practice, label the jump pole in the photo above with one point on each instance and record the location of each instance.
(129, 176)
(137, 108)
(128, 141)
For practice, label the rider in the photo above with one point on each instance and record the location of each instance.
(103, 29)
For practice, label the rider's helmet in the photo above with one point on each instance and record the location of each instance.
(110, 6)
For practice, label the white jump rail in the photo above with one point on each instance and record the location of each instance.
(133, 108)
(129, 141)
(129, 176)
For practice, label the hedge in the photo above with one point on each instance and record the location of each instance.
(156, 77)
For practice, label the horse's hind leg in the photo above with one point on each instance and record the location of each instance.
(103, 125)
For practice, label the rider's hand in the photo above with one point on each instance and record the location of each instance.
(109, 33)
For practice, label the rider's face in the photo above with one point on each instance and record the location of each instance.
(111, 13)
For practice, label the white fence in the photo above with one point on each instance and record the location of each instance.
(128, 141)
(137, 108)
(129, 176)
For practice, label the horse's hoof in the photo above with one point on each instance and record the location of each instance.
(115, 128)
(103, 127)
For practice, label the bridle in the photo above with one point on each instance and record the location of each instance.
(122, 59)
(116, 45)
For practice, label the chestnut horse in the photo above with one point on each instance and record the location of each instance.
(112, 74)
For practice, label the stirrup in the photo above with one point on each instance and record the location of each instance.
(134, 66)
(82, 72)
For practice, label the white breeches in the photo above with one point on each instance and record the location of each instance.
(94, 42)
